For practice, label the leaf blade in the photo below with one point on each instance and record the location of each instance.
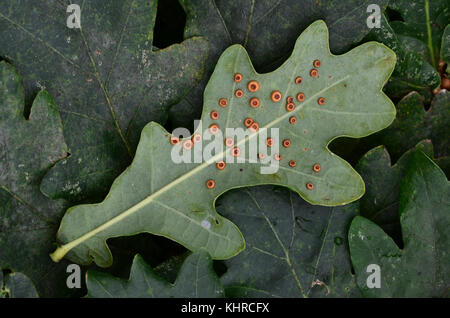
(161, 200)
(28, 219)
(196, 279)
(417, 270)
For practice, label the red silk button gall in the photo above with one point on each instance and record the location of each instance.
(316, 63)
(174, 140)
(254, 126)
(314, 73)
(286, 143)
(223, 102)
(254, 102)
(300, 97)
(298, 80)
(292, 120)
(276, 96)
(229, 142)
(196, 138)
(261, 156)
(290, 107)
(221, 165)
(214, 115)
(239, 93)
(235, 151)
(253, 86)
(269, 142)
(277, 157)
(187, 144)
(214, 128)
(292, 163)
(309, 186)
(238, 77)
(210, 184)
(316, 167)
(248, 122)
(289, 99)
(321, 101)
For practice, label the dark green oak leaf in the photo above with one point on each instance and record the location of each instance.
(413, 71)
(423, 24)
(106, 78)
(445, 47)
(418, 43)
(16, 285)
(196, 279)
(421, 268)
(294, 249)
(169, 199)
(28, 219)
(267, 30)
(380, 201)
(413, 124)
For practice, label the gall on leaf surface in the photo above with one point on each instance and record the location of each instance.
(156, 195)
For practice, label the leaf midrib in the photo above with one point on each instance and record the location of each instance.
(287, 257)
(64, 249)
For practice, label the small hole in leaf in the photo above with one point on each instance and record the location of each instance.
(220, 268)
(169, 24)
(393, 15)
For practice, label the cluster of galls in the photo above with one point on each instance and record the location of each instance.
(276, 96)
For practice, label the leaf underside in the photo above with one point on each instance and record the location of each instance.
(156, 195)
(267, 30)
